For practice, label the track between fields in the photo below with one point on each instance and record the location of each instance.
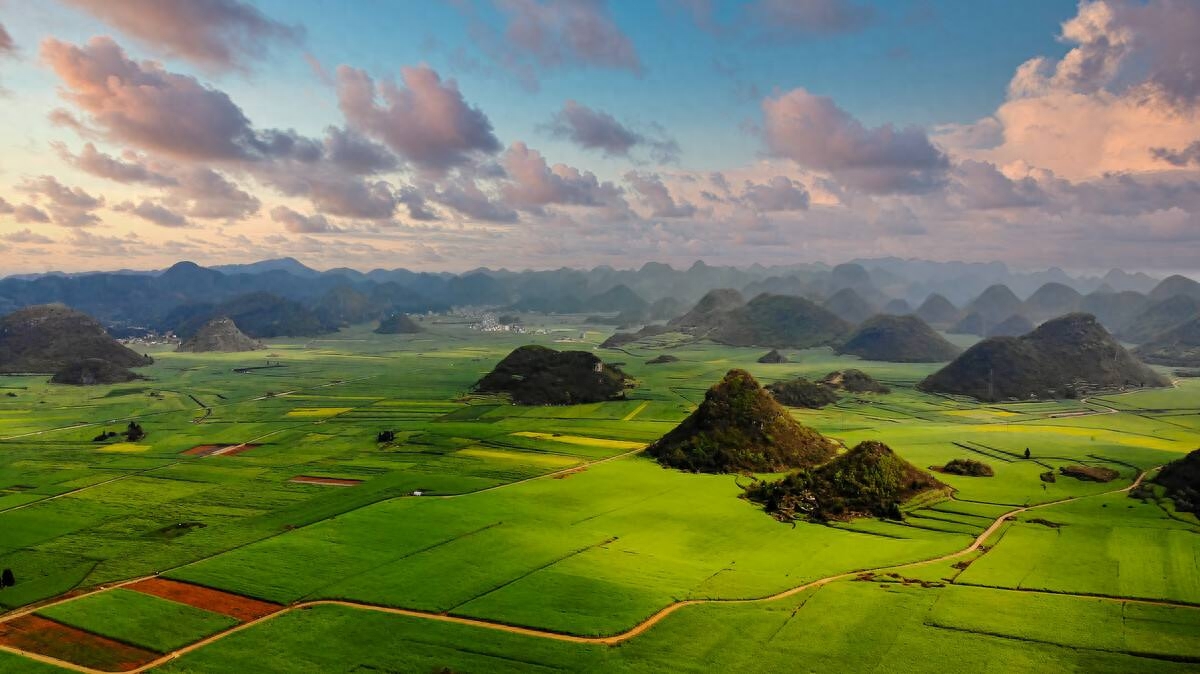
(611, 640)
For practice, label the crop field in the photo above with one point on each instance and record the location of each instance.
(278, 534)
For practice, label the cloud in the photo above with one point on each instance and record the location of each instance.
(597, 130)
(1121, 99)
(26, 236)
(414, 201)
(815, 133)
(144, 105)
(28, 213)
(654, 193)
(155, 213)
(298, 223)
(426, 121)
(59, 194)
(790, 18)
(782, 19)
(463, 194)
(535, 184)
(334, 192)
(355, 153)
(980, 185)
(1189, 155)
(68, 206)
(778, 194)
(543, 35)
(7, 46)
(130, 169)
(205, 193)
(214, 34)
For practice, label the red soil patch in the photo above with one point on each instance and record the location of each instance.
(219, 450)
(45, 637)
(327, 481)
(233, 605)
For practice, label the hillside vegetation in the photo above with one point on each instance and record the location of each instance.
(537, 375)
(220, 335)
(740, 427)
(47, 338)
(1054, 361)
(898, 339)
(1179, 346)
(868, 481)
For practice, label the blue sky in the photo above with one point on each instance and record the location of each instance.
(827, 130)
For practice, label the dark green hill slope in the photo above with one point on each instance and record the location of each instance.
(868, 481)
(398, 324)
(898, 339)
(972, 324)
(1161, 317)
(777, 321)
(710, 307)
(219, 335)
(93, 371)
(618, 298)
(849, 306)
(1114, 310)
(1013, 326)
(938, 311)
(1052, 299)
(1055, 360)
(536, 375)
(740, 427)
(995, 304)
(1175, 285)
(854, 381)
(48, 337)
(800, 392)
(1181, 480)
(261, 315)
(1179, 346)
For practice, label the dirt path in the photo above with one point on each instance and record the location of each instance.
(610, 640)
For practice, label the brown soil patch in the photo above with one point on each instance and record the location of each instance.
(326, 481)
(234, 605)
(36, 634)
(219, 450)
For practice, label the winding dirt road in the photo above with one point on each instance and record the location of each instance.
(610, 640)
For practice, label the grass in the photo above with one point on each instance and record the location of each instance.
(139, 619)
(601, 547)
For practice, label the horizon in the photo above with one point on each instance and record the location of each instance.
(1078, 274)
(531, 135)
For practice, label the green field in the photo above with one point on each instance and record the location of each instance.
(139, 619)
(550, 519)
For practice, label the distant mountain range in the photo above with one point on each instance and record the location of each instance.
(284, 297)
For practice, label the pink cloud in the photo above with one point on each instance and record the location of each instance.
(216, 34)
(426, 121)
(815, 133)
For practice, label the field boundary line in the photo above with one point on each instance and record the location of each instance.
(609, 640)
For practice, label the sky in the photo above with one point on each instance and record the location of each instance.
(537, 134)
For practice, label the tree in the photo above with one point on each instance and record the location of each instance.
(134, 432)
(7, 579)
(386, 436)
(1027, 455)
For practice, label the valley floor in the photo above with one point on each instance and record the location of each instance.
(260, 527)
